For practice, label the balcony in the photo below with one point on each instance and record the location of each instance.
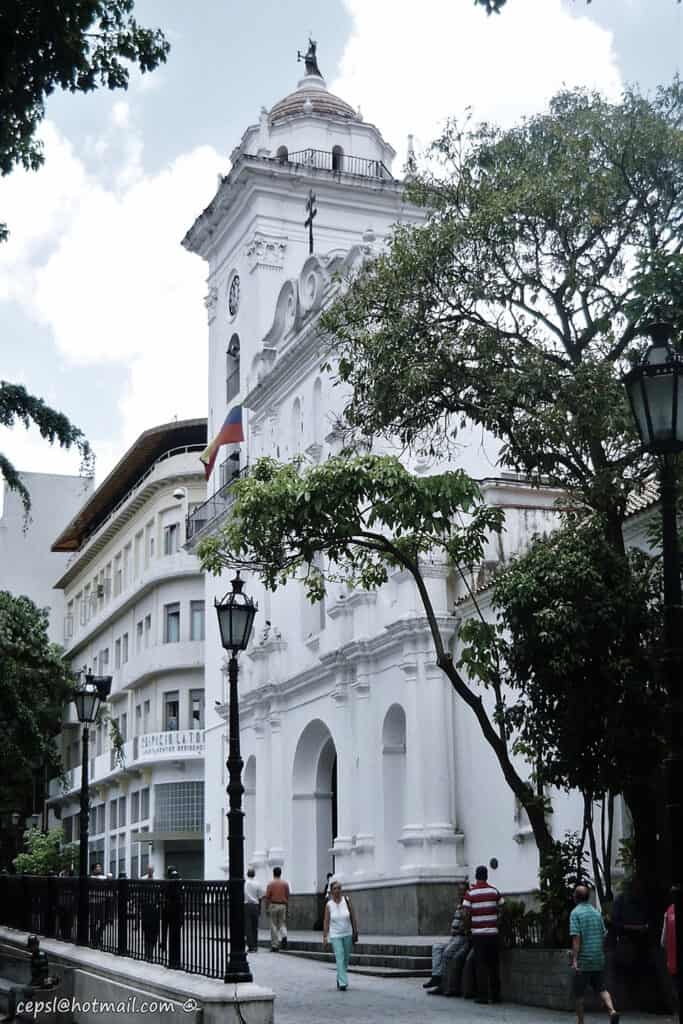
(326, 160)
(213, 509)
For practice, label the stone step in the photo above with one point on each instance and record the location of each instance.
(409, 966)
(372, 948)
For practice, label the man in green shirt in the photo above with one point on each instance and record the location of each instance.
(588, 931)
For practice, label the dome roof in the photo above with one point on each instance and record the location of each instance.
(312, 97)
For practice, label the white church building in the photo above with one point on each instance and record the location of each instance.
(358, 757)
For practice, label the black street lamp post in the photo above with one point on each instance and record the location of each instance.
(87, 698)
(655, 391)
(235, 619)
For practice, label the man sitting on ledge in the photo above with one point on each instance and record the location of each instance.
(456, 949)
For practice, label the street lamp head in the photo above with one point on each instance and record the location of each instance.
(87, 700)
(235, 617)
(655, 391)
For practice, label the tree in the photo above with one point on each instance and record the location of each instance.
(512, 307)
(366, 515)
(17, 404)
(35, 683)
(577, 625)
(44, 853)
(76, 45)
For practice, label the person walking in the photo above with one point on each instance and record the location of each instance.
(277, 901)
(482, 902)
(341, 928)
(253, 893)
(588, 932)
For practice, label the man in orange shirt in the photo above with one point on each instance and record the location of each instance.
(277, 899)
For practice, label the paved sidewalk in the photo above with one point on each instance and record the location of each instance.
(305, 993)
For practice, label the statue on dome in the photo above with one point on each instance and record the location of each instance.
(309, 58)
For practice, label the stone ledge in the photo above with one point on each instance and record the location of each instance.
(105, 977)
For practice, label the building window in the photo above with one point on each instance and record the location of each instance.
(139, 546)
(67, 825)
(127, 565)
(146, 714)
(148, 629)
(134, 807)
(138, 719)
(179, 807)
(124, 648)
(171, 708)
(100, 818)
(196, 620)
(124, 726)
(118, 576)
(232, 368)
(104, 661)
(138, 637)
(337, 158)
(144, 804)
(171, 538)
(112, 856)
(196, 709)
(171, 623)
(149, 542)
(92, 825)
(117, 653)
(98, 741)
(122, 812)
(112, 814)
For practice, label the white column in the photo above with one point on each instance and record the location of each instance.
(345, 781)
(276, 840)
(412, 837)
(367, 764)
(263, 776)
(438, 768)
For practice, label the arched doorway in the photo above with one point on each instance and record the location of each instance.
(314, 810)
(393, 785)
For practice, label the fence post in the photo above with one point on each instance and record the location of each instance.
(49, 919)
(122, 916)
(175, 915)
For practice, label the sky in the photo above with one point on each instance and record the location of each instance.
(101, 310)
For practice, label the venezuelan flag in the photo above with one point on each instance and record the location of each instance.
(230, 433)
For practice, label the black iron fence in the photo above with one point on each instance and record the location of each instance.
(178, 924)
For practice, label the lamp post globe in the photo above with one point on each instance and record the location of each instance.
(87, 697)
(235, 614)
(655, 392)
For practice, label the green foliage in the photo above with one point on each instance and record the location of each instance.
(367, 514)
(115, 736)
(35, 682)
(560, 872)
(626, 859)
(577, 624)
(512, 307)
(44, 853)
(16, 404)
(76, 45)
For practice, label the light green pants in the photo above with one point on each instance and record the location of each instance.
(342, 954)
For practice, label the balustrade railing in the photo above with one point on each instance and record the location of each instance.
(327, 160)
(175, 923)
(213, 507)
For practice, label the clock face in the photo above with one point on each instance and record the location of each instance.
(234, 295)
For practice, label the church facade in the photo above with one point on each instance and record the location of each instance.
(358, 758)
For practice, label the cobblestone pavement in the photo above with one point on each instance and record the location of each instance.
(305, 993)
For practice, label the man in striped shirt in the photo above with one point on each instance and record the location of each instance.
(481, 903)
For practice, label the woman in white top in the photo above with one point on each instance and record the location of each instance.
(341, 928)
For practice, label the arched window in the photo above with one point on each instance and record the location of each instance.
(282, 154)
(232, 368)
(337, 158)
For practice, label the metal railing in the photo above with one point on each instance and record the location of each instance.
(214, 507)
(341, 163)
(178, 924)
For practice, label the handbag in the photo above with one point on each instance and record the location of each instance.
(354, 933)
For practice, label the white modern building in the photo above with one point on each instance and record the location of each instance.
(134, 610)
(358, 758)
(27, 565)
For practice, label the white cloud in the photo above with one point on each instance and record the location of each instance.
(103, 269)
(410, 67)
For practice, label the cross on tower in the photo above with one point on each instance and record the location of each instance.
(308, 223)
